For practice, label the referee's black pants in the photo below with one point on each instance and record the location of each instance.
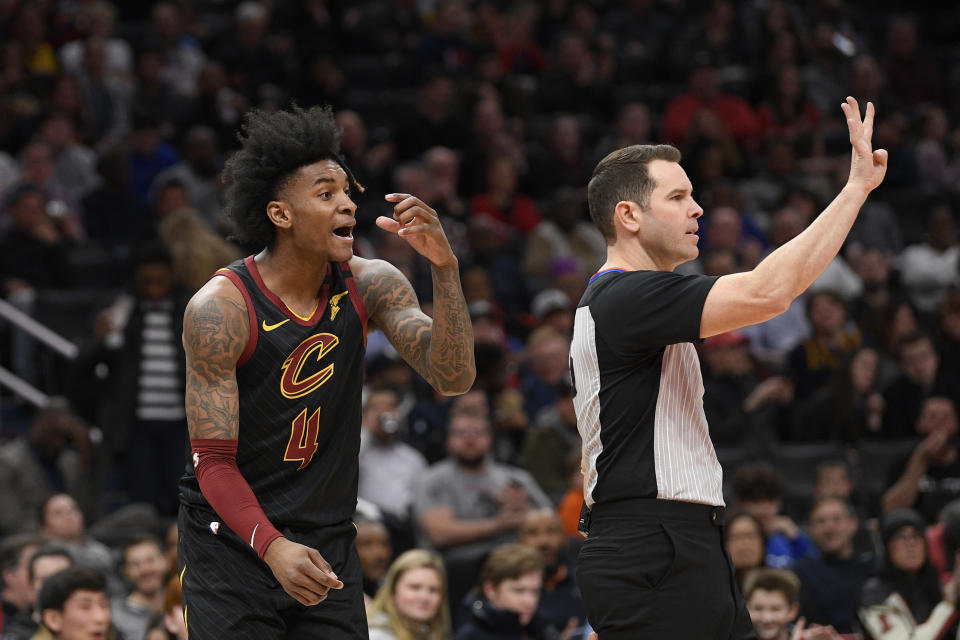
(658, 569)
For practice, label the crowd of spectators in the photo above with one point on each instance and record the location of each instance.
(116, 119)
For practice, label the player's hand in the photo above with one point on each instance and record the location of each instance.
(301, 571)
(419, 225)
(867, 167)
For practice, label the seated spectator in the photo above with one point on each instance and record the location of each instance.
(173, 618)
(833, 479)
(546, 368)
(759, 490)
(42, 463)
(388, 466)
(560, 602)
(943, 541)
(32, 247)
(929, 477)
(16, 592)
(505, 603)
(830, 583)
(550, 441)
(467, 504)
(145, 567)
(746, 544)
(928, 270)
(921, 376)
(511, 212)
(771, 597)
(817, 358)
(412, 603)
(73, 604)
(904, 598)
(61, 521)
(376, 552)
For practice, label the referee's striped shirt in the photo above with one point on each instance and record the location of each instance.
(638, 389)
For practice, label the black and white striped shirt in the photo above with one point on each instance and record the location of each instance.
(160, 387)
(638, 389)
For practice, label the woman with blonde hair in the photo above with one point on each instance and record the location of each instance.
(412, 603)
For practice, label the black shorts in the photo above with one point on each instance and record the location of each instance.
(654, 569)
(228, 592)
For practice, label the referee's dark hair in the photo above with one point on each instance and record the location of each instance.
(273, 147)
(622, 176)
(58, 588)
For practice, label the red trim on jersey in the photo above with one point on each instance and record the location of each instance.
(251, 314)
(355, 297)
(279, 304)
(224, 487)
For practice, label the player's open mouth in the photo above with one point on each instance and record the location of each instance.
(345, 232)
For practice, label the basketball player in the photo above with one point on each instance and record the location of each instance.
(653, 565)
(274, 347)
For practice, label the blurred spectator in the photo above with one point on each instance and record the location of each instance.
(546, 367)
(759, 489)
(141, 404)
(740, 408)
(412, 604)
(38, 168)
(466, 504)
(560, 602)
(817, 359)
(579, 75)
(787, 113)
(550, 441)
(42, 463)
(376, 554)
(113, 215)
(746, 544)
(505, 602)
(388, 466)
(250, 55)
(73, 604)
(105, 101)
(913, 74)
(435, 120)
(948, 323)
(32, 248)
(563, 233)
(73, 163)
(921, 377)
(553, 308)
(96, 20)
(509, 211)
(929, 477)
(929, 269)
(447, 43)
(61, 522)
(49, 559)
(369, 159)
(831, 582)
(846, 408)
(943, 541)
(181, 56)
(937, 170)
(172, 621)
(149, 155)
(633, 126)
(904, 598)
(17, 596)
(199, 173)
(145, 567)
(704, 93)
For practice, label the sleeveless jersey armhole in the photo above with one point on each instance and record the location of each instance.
(355, 297)
(251, 315)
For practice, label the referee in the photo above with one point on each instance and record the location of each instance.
(654, 565)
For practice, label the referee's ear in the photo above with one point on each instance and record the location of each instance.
(627, 215)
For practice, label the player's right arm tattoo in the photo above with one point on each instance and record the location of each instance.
(215, 330)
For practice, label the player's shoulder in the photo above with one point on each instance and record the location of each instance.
(217, 291)
(216, 318)
(378, 280)
(364, 269)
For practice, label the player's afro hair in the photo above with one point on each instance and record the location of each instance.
(273, 147)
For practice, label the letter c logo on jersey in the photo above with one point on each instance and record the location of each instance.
(291, 384)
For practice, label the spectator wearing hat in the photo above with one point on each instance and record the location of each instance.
(904, 599)
(552, 307)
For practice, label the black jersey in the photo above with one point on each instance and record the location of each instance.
(638, 389)
(299, 382)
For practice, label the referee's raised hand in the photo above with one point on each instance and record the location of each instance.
(867, 166)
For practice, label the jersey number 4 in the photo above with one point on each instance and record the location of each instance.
(303, 438)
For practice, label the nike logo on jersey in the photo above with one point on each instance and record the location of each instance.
(271, 327)
(335, 304)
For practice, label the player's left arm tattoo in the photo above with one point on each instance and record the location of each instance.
(440, 348)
